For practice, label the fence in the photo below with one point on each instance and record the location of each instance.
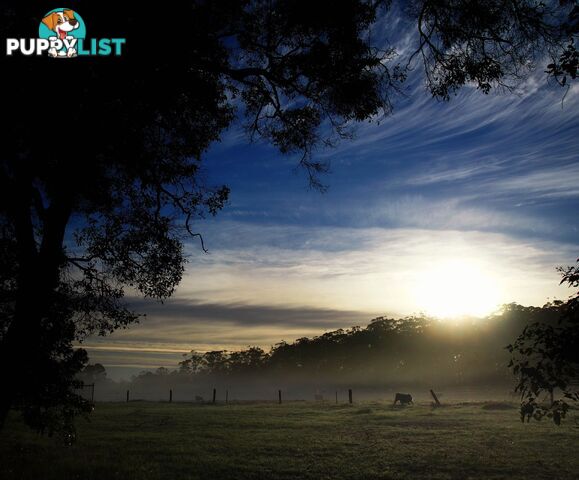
(212, 396)
(227, 395)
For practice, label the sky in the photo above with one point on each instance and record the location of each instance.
(443, 208)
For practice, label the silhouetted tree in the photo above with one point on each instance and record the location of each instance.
(99, 175)
(251, 360)
(93, 373)
(191, 364)
(546, 358)
(492, 42)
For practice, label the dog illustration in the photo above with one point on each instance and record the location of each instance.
(61, 23)
(403, 398)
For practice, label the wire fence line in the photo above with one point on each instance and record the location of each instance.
(215, 395)
(207, 396)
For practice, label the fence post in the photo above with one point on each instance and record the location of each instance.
(279, 396)
(92, 394)
(350, 395)
(127, 396)
(170, 395)
(226, 396)
(435, 397)
(214, 394)
(336, 397)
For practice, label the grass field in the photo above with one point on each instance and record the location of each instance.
(297, 441)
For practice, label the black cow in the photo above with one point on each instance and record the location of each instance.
(403, 398)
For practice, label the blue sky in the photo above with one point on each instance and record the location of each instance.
(483, 189)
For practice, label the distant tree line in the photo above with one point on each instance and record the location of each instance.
(411, 350)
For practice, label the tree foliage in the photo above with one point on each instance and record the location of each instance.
(545, 358)
(492, 43)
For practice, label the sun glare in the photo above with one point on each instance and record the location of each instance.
(457, 288)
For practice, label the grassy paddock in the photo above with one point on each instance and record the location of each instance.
(297, 441)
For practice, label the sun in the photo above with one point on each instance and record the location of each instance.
(457, 288)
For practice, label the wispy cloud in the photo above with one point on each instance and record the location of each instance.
(549, 182)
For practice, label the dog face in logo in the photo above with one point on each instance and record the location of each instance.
(61, 23)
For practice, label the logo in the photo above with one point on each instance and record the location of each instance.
(62, 34)
(63, 29)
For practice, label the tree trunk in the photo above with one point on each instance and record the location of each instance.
(22, 351)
